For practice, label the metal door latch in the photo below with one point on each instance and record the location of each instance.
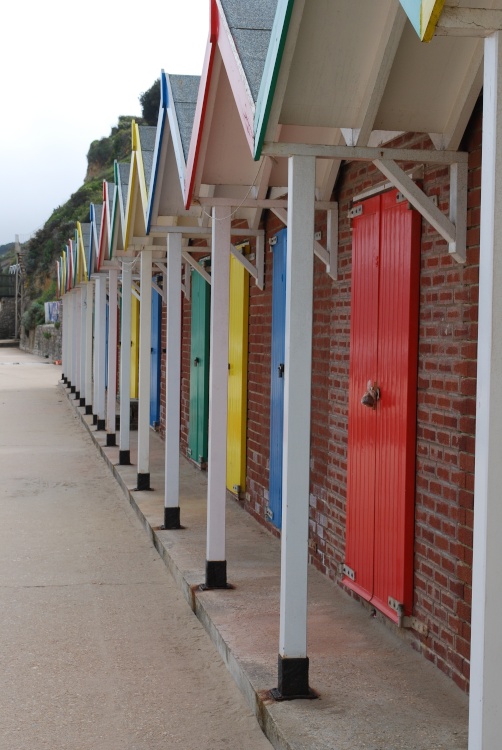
(280, 370)
(371, 396)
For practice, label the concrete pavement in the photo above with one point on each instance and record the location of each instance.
(99, 650)
(375, 692)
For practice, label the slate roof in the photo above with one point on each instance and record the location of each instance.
(98, 214)
(86, 236)
(185, 90)
(147, 135)
(251, 24)
(123, 169)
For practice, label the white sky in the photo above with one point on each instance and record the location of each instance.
(67, 71)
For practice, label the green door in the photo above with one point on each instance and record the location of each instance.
(199, 369)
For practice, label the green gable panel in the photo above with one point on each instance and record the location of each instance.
(271, 72)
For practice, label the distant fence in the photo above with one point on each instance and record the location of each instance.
(7, 286)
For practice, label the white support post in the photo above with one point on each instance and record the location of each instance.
(64, 342)
(100, 349)
(74, 345)
(293, 660)
(145, 366)
(111, 396)
(78, 340)
(485, 717)
(260, 261)
(83, 323)
(172, 287)
(216, 564)
(125, 367)
(332, 243)
(89, 340)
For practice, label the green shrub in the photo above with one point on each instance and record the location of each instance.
(33, 316)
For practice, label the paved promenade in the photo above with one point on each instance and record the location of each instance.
(376, 693)
(99, 650)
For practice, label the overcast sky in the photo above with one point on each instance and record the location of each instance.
(67, 71)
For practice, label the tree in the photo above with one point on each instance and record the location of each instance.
(150, 102)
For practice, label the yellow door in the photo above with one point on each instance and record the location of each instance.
(134, 346)
(237, 376)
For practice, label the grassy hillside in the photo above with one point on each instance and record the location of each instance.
(44, 248)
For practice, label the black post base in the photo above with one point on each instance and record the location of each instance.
(72, 389)
(293, 680)
(68, 383)
(63, 378)
(88, 409)
(94, 418)
(111, 440)
(100, 425)
(216, 575)
(124, 458)
(77, 395)
(117, 422)
(172, 518)
(82, 401)
(143, 482)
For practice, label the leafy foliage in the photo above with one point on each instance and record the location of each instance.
(44, 248)
(33, 316)
(150, 102)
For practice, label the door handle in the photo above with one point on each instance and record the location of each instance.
(280, 370)
(196, 361)
(371, 396)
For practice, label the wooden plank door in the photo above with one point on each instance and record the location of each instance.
(199, 369)
(381, 459)
(277, 378)
(155, 358)
(237, 376)
(134, 347)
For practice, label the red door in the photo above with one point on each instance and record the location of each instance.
(381, 450)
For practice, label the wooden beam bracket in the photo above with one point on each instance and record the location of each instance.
(453, 229)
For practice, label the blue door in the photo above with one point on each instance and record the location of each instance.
(107, 328)
(155, 361)
(277, 378)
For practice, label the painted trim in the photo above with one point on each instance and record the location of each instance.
(102, 229)
(141, 173)
(424, 15)
(271, 73)
(200, 116)
(179, 154)
(237, 78)
(82, 251)
(159, 136)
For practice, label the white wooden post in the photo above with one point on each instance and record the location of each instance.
(145, 351)
(99, 352)
(111, 396)
(83, 323)
(74, 313)
(216, 564)
(172, 285)
(125, 367)
(78, 340)
(293, 661)
(89, 340)
(64, 342)
(485, 717)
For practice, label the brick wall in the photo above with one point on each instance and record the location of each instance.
(445, 407)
